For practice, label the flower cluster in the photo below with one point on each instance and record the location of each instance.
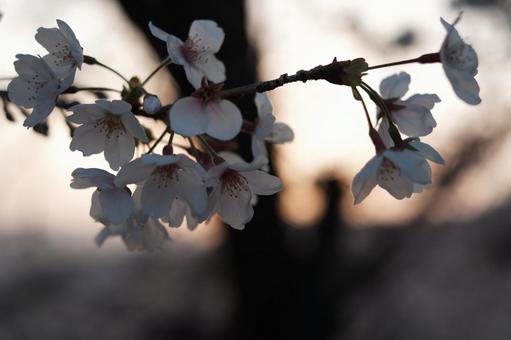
(153, 191)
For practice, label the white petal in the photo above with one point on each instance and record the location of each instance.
(212, 68)
(395, 86)
(174, 47)
(259, 148)
(464, 85)
(157, 197)
(264, 126)
(262, 183)
(426, 100)
(190, 187)
(161, 160)
(414, 121)
(135, 171)
(158, 32)
(96, 211)
(281, 133)
(412, 164)
(85, 113)
(224, 120)
(119, 149)
(397, 184)
(211, 36)
(116, 205)
(41, 111)
(427, 151)
(188, 117)
(88, 139)
(263, 104)
(133, 126)
(92, 177)
(234, 206)
(21, 93)
(193, 74)
(177, 213)
(365, 180)
(383, 131)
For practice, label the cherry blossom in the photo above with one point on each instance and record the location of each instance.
(181, 210)
(266, 129)
(106, 126)
(37, 86)
(110, 204)
(65, 52)
(460, 63)
(139, 232)
(400, 172)
(206, 112)
(165, 177)
(412, 116)
(197, 53)
(235, 182)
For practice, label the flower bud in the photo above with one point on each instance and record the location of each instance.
(152, 104)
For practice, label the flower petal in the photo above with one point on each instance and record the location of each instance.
(365, 180)
(427, 151)
(412, 164)
(133, 126)
(85, 113)
(262, 183)
(395, 86)
(119, 149)
(135, 171)
(157, 197)
(212, 68)
(92, 177)
(224, 120)
(88, 139)
(233, 206)
(116, 205)
(207, 35)
(188, 117)
(281, 133)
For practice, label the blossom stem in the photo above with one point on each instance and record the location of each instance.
(216, 158)
(423, 59)
(73, 89)
(93, 61)
(151, 149)
(337, 72)
(355, 90)
(375, 97)
(164, 63)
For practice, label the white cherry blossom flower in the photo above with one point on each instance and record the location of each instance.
(234, 185)
(400, 172)
(164, 178)
(110, 204)
(152, 104)
(106, 126)
(148, 235)
(412, 116)
(65, 52)
(206, 112)
(266, 129)
(179, 211)
(37, 86)
(197, 53)
(460, 63)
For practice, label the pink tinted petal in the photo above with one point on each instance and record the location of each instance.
(364, 181)
(224, 120)
(211, 36)
(88, 139)
(188, 117)
(395, 86)
(116, 205)
(213, 69)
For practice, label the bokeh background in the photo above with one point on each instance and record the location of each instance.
(311, 265)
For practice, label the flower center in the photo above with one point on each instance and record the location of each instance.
(34, 85)
(233, 183)
(62, 55)
(195, 51)
(388, 171)
(461, 56)
(162, 175)
(111, 126)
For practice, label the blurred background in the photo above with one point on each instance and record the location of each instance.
(310, 265)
